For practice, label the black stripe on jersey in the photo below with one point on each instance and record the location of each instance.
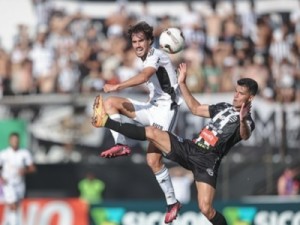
(165, 83)
(174, 120)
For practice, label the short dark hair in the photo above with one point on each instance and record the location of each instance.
(14, 134)
(250, 84)
(142, 27)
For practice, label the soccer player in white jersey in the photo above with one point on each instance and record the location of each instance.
(160, 110)
(15, 163)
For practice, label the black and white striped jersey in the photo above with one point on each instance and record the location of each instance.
(223, 130)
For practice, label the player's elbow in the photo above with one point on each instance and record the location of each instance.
(245, 136)
(194, 110)
(144, 79)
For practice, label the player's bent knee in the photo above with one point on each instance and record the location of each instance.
(154, 161)
(109, 103)
(151, 133)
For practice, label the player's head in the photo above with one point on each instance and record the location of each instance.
(245, 91)
(144, 28)
(14, 140)
(250, 84)
(141, 36)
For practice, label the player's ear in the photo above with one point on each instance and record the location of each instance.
(250, 98)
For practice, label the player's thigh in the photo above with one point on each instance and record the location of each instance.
(142, 112)
(151, 115)
(123, 105)
(163, 117)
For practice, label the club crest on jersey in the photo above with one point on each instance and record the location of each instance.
(210, 171)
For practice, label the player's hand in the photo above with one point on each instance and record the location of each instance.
(22, 172)
(110, 88)
(245, 109)
(2, 180)
(182, 73)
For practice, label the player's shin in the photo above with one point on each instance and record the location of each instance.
(127, 129)
(164, 180)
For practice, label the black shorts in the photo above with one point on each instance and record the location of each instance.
(203, 163)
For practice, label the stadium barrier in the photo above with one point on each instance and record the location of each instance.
(254, 211)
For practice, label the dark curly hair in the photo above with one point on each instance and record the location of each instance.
(142, 27)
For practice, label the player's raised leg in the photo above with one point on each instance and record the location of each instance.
(120, 148)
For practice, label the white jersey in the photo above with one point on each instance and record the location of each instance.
(160, 111)
(12, 162)
(162, 85)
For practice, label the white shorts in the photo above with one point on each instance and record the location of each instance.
(158, 114)
(13, 193)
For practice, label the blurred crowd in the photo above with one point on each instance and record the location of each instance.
(75, 53)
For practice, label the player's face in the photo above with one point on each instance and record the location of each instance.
(140, 44)
(14, 142)
(241, 95)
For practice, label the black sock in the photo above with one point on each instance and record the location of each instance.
(218, 219)
(129, 130)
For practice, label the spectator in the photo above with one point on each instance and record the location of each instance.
(22, 80)
(68, 76)
(230, 74)
(43, 10)
(145, 15)
(238, 32)
(287, 184)
(191, 25)
(93, 82)
(44, 64)
(195, 80)
(213, 23)
(91, 188)
(284, 76)
(212, 74)
(5, 70)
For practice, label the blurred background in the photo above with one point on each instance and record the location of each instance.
(56, 55)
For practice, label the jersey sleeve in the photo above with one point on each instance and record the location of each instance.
(214, 109)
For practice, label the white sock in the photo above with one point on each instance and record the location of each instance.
(164, 180)
(119, 138)
(13, 217)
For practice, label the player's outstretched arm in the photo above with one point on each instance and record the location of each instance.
(245, 130)
(140, 78)
(195, 107)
